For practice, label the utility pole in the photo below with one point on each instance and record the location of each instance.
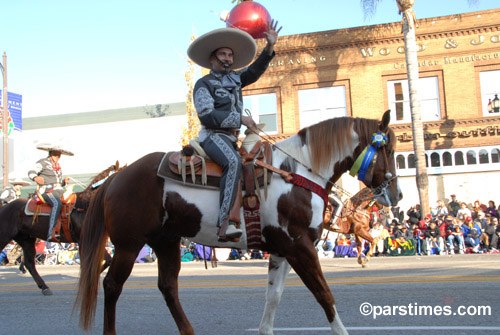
(5, 130)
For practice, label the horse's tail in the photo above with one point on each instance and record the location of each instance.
(92, 248)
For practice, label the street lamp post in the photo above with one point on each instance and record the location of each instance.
(4, 124)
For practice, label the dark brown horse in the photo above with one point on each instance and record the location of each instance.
(16, 225)
(136, 207)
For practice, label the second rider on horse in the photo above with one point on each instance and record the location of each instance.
(48, 175)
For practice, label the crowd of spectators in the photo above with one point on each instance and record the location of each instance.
(47, 253)
(455, 227)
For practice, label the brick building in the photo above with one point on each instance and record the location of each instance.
(355, 72)
(361, 72)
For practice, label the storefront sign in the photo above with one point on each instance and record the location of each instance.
(297, 61)
(489, 130)
(450, 43)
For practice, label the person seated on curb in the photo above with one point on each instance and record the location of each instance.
(325, 244)
(490, 236)
(472, 234)
(434, 238)
(455, 233)
(401, 236)
(419, 237)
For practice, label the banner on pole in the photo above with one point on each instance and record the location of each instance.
(15, 116)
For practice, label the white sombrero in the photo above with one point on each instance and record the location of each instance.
(54, 147)
(19, 181)
(243, 46)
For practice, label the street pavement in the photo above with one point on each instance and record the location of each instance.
(393, 295)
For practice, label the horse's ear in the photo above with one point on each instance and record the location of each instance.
(386, 119)
(117, 165)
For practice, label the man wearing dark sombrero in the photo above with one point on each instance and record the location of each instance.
(219, 103)
(48, 175)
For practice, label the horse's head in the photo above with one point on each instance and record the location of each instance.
(375, 166)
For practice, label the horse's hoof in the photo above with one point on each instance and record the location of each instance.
(363, 266)
(47, 291)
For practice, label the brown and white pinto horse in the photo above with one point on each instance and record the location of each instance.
(16, 225)
(136, 207)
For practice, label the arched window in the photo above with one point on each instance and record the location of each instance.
(435, 161)
(447, 161)
(483, 157)
(459, 158)
(495, 155)
(400, 162)
(471, 157)
(411, 161)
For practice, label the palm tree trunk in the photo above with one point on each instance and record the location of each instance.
(416, 117)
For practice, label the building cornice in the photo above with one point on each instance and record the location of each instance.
(382, 34)
(451, 124)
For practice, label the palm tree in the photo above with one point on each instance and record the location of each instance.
(405, 8)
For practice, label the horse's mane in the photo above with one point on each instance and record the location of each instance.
(86, 192)
(336, 136)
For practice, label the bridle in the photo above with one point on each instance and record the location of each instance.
(367, 159)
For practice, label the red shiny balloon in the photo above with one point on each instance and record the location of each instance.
(249, 16)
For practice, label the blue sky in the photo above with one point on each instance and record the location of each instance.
(69, 56)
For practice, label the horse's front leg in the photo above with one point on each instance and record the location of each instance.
(361, 234)
(373, 244)
(29, 262)
(306, 264)
(277, 273)
(359, 247)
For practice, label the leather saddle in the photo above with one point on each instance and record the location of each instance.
(191, 166)
(36, 206)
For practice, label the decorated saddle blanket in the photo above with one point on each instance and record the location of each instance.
(36, 205)
(192, 169)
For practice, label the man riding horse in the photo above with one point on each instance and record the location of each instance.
(218, 101)
(48, 175)
(12, 193)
